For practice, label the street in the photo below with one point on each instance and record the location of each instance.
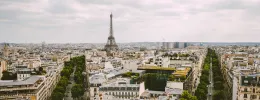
(210, 86)
(68, 95)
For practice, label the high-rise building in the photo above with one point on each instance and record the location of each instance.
(186, 44)
(176, 45)
(168, 45)
(111, 42)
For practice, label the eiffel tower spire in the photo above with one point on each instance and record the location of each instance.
(111, 42)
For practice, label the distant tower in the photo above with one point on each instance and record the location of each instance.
(6, 50)
(111, 42)
(43, 46)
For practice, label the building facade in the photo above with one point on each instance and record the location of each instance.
(121, 89)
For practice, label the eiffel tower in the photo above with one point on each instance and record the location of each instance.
(111, 42)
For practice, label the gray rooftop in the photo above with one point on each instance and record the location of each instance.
(30, 80)
(97, 79)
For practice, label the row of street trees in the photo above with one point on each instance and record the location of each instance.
(78, 89)
(218, 77)
(59, 91)
(186, 96)
(202, 90)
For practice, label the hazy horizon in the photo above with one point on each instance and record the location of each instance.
(126, 42)
(82, 21)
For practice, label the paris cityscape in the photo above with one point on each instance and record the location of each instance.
(129, 50)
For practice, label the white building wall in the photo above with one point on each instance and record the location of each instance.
(1, 72)
(141, 89)
(92, 92)
(165, 62)
(234, 90)
(133, 94)
(22, 76)
(171, 84)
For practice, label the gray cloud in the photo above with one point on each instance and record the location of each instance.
(134, 20)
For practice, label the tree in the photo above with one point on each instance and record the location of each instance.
(65, 72)
(40, 69)
(186, 96)
(8, 76)
(59, 89)
(218, 85)
(57, 96)
(218, 78)
(204, 78)
(63, 81)
(78, 78)
(175, 55)
(77, 90)
(219, 95)
(171, 78)
(205, 72)
(200, 94)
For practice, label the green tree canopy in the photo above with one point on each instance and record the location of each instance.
(186, 96)
(8, 76)
(65, 72)
(77, 91)
(57, 96)
(219, 95)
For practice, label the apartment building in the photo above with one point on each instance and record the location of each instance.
(120, 89)
(96, 81)
(23, 74)
(249, 87)
(32, 88)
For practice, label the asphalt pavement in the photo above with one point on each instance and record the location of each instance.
(210, 86)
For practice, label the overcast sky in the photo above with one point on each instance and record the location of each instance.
(87, 21)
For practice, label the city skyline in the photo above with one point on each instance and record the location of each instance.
(79, 21)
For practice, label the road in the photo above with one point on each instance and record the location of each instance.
(68, 95)
(210, 86)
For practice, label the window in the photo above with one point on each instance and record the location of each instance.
(253, 90)
(253, 96)
(245, 89)
(245, 95)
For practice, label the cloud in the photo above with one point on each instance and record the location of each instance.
(134, 20)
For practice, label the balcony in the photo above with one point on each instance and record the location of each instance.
(11, 95)
(23, 88)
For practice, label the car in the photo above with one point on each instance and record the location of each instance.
(209, 82)
(209, 94)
